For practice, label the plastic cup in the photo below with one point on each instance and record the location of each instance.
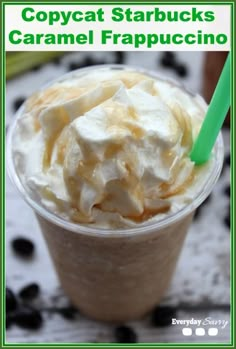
(115, 275)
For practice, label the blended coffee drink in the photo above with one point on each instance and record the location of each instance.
(102, 155)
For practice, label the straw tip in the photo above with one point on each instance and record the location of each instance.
(198, 159)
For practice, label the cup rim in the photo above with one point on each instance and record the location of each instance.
(151, 226)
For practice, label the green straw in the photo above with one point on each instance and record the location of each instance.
(214, 118)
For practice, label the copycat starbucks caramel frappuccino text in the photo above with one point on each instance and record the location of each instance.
(110, 148)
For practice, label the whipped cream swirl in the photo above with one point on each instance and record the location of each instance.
(109, 148)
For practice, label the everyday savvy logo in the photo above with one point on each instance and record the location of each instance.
(201, 327)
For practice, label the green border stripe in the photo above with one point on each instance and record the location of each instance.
(232, 142)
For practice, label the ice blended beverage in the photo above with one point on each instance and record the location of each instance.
(102, 156)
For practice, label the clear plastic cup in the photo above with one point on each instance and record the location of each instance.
(115, 275)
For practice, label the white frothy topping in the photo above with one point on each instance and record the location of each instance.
(110, 148)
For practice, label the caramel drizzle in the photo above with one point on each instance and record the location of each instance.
(50, 142)
(165, 187)
(37, 125)
(132, 79)
(149, 213)
(118, 118)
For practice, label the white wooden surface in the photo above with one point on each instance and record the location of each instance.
(200, 287)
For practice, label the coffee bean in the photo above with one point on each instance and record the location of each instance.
(207, 200)
(162, 316)
(100, 62)
(88, 61)
(226, 163)
(227, 190)
(29, 292)
(9, 321)
(11, 302)
(36, 68)
(181, 70)
(57, 60)
(227, 159)
(23, 247)
(125, 334)
(28, 318)
(68, 312)
(119, 57)
(199, 209)
(74, 66)
(170, 55)
(18, 102)
(227, 221)
(167, 62)
(197, 213)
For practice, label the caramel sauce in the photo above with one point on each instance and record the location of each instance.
(79, 217)
(86, 169)
(61, 153)
(149, 213)
(130, 79)
(64, 119)
(135, 130)
(87, 166)
(73, 190)
(37, 125)
(132, 113)
(74, 92)
(48, 152)
(184, 122)
(119, 117)
(62, 143)
(43, 98)
(178, 190)
(112, 150)
(154, 91)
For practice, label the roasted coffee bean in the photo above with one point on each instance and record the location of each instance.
(162, 316)
(226, 163)
(11, 302)
(100, 62)
(29, 292)
(88, 61)
(36, 67)
(181, 70)
(23, 247)
(74, 66)
(125, 334)
(170, 55)
(207, 200)
(167, 62)
(119, 57)
(18, 102)
(9, 321)
(227, 220)
(227, 190)
(68, 312)
(197, 213)
(57, 60)
(227, 159)
(199, 209)
(28, 318)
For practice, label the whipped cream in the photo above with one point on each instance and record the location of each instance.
(110, 148)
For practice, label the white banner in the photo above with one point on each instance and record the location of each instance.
(117, 27)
